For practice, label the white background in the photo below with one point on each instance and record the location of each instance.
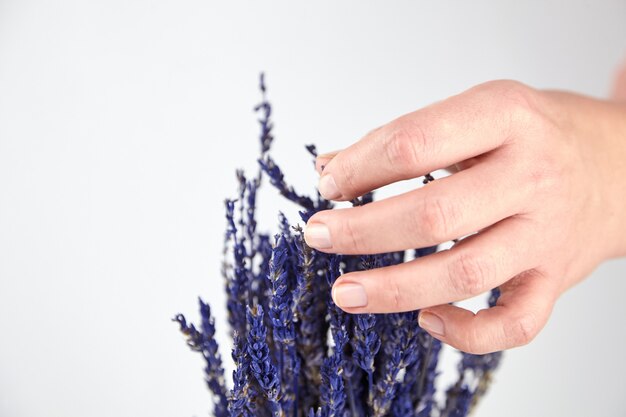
(121, 124)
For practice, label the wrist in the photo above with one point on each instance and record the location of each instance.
(612, 163)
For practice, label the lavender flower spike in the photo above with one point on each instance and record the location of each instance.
(366, 344)
(261, 364)
(204, 342)
(311, 328)
(281, 315)
(214, 372)
(280, 308)
(236, 277)
(333, 392)
(266, 136)
(243, 395)
(401, 351)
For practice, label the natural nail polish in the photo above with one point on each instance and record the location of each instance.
(328, 188)
(317, 236)
(349, 295)
(432, 323)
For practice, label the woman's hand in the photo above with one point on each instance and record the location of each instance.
(619, 85)
(541, 177)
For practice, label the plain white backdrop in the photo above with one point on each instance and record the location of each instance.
(121, 125)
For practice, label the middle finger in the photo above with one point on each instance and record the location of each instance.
(443, 210)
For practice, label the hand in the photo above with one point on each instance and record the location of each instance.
(540, 190)
(619, 85)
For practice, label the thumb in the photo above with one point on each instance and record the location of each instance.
(521, 312)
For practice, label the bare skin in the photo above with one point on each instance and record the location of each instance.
(538, 192)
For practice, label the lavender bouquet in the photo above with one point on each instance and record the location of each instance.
(295, 352)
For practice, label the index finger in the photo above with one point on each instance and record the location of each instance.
(463, 126)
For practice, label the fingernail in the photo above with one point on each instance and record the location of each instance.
(328, 188)
(328, 155)
(349, 295)
(317, 236)
(322, 160)
(320, 164)
(431, 322)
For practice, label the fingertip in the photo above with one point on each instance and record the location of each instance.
(349, 295)
(320, 164)
(432, 323)
(464, 330)
(328, 187)
(317, 236)
(322, 160)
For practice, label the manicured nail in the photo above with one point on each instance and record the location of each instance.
(328, 155)
(328, 188)
(320, 164)
(431, 322)
(349, 295)
(317, 236)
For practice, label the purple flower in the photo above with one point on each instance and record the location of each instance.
(306, 356)
(311, 326)
(265, 107)
(366, 342)
(204, 342)
(280, 302)
(365, 345)
(333, 395)
(243, 395)
(333, 392)
(281, 313)
(401, 351)
(459, 400)
(261, 365)
(277, 179)
(236, 275)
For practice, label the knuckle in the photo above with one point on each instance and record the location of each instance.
(350, 238)
(514, 94)
(473, 343)
(521, 330)
(402, 146)
(526, 110)
(469, 274)
(395, 295)
(545, 177)
(397, 298)
(523, 105)
(518, 99)
(349, 175)
(437, 219)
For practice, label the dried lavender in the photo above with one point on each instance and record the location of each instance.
(333, 393)
(365, 345)
(261, 364)
(281, 313)
(243, 395)
(204, 342)
(401, 352)
(311, 331)
(297, 354)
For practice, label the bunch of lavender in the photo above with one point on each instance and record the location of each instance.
(296, 354)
